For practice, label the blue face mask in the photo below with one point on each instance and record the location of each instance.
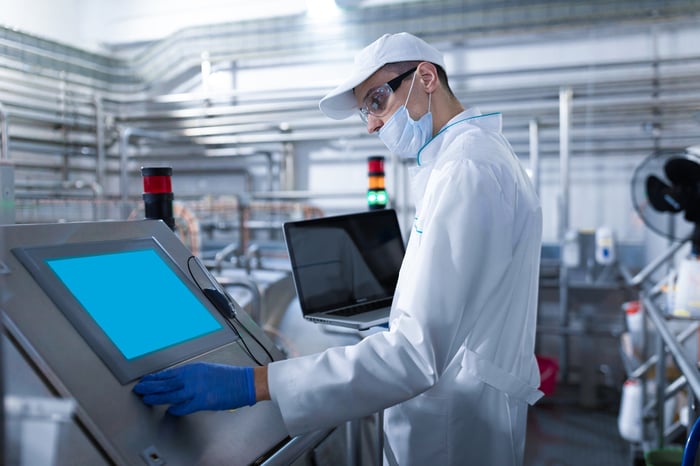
(404, 136)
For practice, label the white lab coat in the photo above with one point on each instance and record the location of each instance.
(456, 371)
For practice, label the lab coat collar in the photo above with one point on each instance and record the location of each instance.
(428, 154)
(490, 121)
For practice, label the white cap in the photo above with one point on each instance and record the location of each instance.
(390, 48)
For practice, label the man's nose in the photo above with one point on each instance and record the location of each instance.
(374, 124)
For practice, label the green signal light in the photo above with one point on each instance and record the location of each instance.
(377, 197)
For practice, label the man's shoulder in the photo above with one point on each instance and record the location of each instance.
(476, 144)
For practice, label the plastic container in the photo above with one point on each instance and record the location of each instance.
(664, 457)
(634, 319)
(604, 246)
(549, 369)
(571, 252)
(629, 420)
(687, 299)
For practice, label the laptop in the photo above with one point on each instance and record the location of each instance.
(345, 267)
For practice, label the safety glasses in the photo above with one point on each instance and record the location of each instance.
(376, 100)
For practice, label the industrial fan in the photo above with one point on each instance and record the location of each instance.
(665, 185)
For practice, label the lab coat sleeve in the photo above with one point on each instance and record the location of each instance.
(460, 249)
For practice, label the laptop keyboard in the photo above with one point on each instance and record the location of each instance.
(351, 311)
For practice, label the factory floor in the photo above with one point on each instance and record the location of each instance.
(561, 432)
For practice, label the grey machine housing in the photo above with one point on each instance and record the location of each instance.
(53, 347)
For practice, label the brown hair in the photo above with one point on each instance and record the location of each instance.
(403, 66)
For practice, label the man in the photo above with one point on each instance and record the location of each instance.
(456, 370)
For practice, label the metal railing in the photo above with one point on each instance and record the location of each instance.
(668, 343)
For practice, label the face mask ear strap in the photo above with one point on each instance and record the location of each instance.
(411, 88)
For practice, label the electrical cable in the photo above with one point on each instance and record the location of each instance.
(227, 308)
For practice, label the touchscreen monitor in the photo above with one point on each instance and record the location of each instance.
(130, 301)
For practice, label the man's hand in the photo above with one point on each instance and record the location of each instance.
(199, 386)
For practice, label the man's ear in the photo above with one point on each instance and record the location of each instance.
(429, 76)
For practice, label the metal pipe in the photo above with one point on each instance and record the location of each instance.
(93, 186)
(303, 195)
(3, 449)
(101, 162)
(153, 60)
(288, 181)
(655, 264)
(7, 175)
(23, 110)
(565, 97)
(688, 368)
(101, 165)
(565, 112)
(243, 115)
(223, 255)
(606, 101)
(535, 154)
(4, 135)
(673, 388)
(124, 135)
(660, 389)
(270, 175)
(646, 365)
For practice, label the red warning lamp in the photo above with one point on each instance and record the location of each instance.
(157, 194)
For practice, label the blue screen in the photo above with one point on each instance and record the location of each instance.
(136, 299)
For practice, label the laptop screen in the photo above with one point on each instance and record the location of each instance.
(345, 260)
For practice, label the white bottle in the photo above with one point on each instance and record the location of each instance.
(686, 302)
(604, 246)
(629, 420)
(635, 321)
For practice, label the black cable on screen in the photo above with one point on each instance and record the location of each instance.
(217, 299)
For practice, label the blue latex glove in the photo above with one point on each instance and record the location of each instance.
(199, 386)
